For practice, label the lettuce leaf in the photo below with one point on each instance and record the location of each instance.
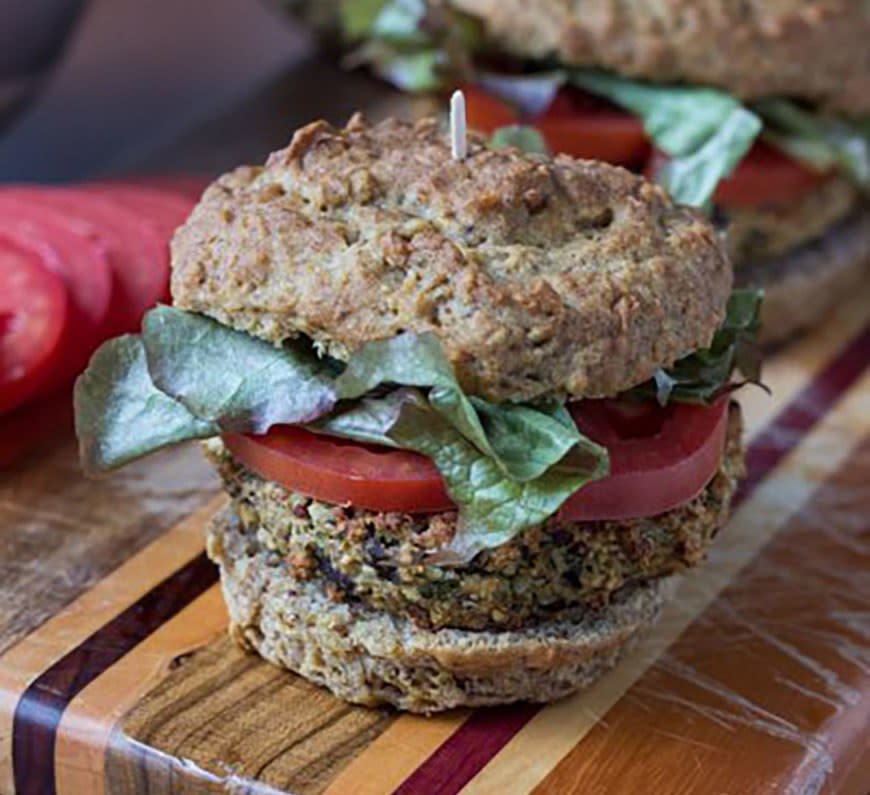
(507, 466)
(704, 375)
(121, 416)
(522, 441)
(236, 381)
(705, 132)
(822, 142)
(493, 507)
(526, 138)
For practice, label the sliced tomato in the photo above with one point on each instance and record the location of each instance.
(339, 471)
(576, 124)
(82, 263)
(659, 457)
(33, 317)
(137, 248)
(167, 209)
(766, 176)
(486, 113)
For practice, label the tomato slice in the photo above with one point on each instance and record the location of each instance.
(138, 251)
(33, 317)
(659, 457)
(81, 262)
(766, 176)
(576, 124)
(340, 471)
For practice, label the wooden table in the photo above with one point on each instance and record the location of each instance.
(116, 675)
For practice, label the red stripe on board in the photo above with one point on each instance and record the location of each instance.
(471, 747)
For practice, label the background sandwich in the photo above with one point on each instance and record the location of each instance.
(471, 414)
(760, 109)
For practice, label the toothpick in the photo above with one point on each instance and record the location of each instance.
(458, 135)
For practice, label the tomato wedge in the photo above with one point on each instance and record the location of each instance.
(766, 176)
(33, 317)
(576, 124)
(340, 471)
(660, 458)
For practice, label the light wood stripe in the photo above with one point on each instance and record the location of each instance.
(397, 753)
(552, 733)
(388, 761)
(88, 721)
(25, 661)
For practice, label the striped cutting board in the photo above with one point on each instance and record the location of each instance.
(116, 675)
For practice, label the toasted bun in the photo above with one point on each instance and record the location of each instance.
(811, 49)
(369, 657)
(804, 285)
(539, 275)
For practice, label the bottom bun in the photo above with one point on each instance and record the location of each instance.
(804, 285)
(370, 657)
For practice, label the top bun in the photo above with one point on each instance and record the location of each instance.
(817, 50)
(540, 276)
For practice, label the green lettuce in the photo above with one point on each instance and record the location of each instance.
(822, 142)
(705, 132)
(705, 375)
(507, 466)
(526, 138)
(493, 506)
(121, 416)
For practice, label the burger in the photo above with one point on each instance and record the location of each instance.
(472, 413)
(758, 112)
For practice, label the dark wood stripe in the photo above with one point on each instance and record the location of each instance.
(39, 711)
(470, 748)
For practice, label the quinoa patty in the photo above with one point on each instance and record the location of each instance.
(539, 276)
(545, 573)
(815, 50)
(371, 657)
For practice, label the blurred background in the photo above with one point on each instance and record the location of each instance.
(90, 88)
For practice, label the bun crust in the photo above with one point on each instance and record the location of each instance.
(814, 50)
(540, 276)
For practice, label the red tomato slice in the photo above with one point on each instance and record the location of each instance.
(138, 252)
(33, 316)
(340, 471)
(82, 263)
(576, 124)
(660, 458)
(766, 176)
(167, 209)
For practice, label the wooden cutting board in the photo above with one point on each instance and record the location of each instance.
(116, 674)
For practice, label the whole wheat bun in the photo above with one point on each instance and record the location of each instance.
(816, 50)
(538, 275)
(369, 657)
